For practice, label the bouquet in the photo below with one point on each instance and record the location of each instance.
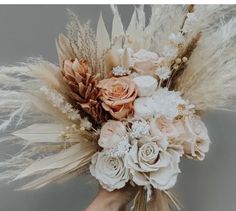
(124, 106)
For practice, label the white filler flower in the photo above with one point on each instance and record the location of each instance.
(120, 71)
(139, 129)
(166, 103)
(163, 72)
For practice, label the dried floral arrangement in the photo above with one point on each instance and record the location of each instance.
(125, 108)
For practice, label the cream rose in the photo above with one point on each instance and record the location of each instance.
(197, 141)
(146, 85)
(143, 55)
(118, 95)
(109, 171)
(112, 133)
(164, 127)
(149, 164)
(145, 62)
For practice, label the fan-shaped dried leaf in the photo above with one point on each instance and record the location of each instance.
(38, 133)
(117, 30)
(102, 38)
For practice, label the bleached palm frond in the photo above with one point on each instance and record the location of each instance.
(209, 80)
(46, 73)
(117, 33)
(137, 38)
(22, 101)
(14, 103)
(165, 19)
(102, 38)
(40, 133)
(209, 16)
(59, 165)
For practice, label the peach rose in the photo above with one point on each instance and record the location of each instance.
(118, 95)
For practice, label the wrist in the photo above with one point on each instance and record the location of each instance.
(107, 202)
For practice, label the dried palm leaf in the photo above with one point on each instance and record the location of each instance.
(102, 38)
(59, 165)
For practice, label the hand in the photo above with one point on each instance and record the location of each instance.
(112, 201)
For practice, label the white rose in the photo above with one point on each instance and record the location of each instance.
(109, 171)
(150, 165)
(143, 107)
(112, 133)
(164, 127)
(197, 140)
(143, 55)
(144, 62)
(166, 177)
(146, 85)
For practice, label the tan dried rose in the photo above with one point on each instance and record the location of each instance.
(117, 96)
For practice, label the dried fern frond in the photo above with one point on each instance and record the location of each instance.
(165, 19)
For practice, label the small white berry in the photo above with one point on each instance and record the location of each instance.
(178, 61)
(185, 59)
(176, 66)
